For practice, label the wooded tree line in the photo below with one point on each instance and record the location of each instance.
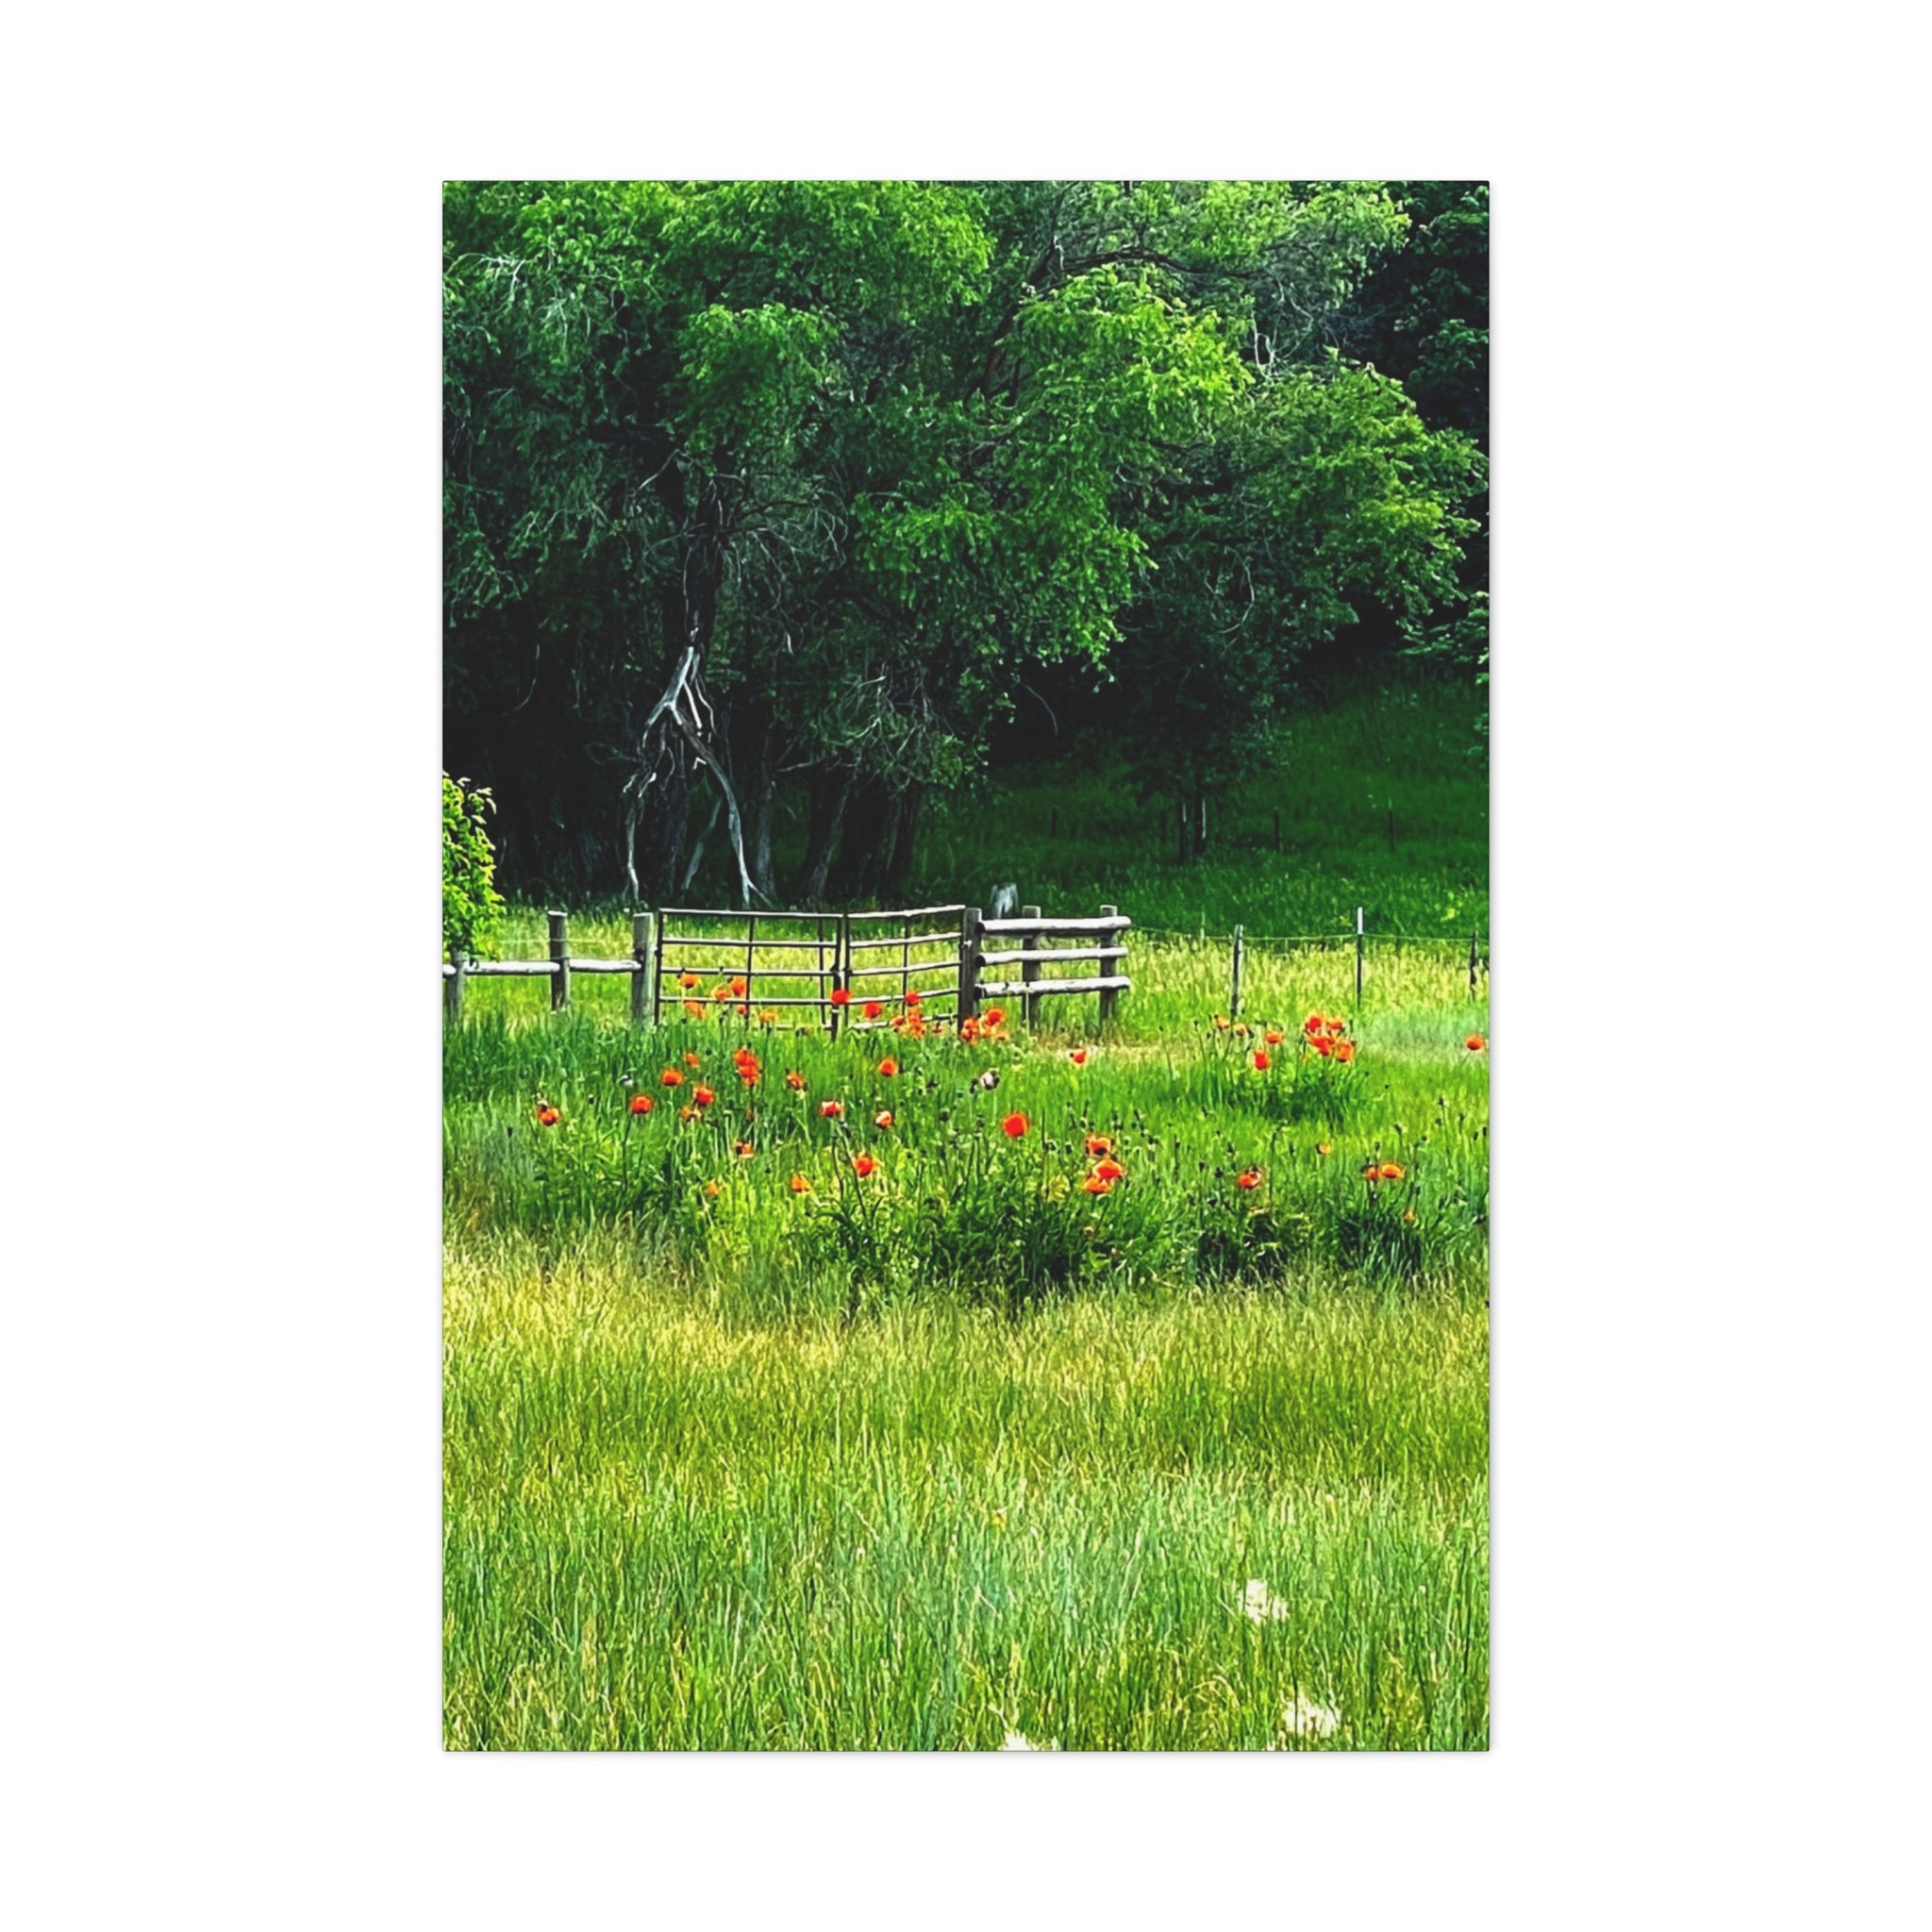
(822, 490)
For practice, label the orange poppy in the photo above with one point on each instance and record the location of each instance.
(1099, 1143)
(831, 1109)
(1323, 1045)
(767, 1017)
(1078, 1056)
(1249, 1177)
(1093, 1184)
(1323, 1148)
(687, 980)
(1109, 1168)
(691, 1059)
(995, 1016)
(862, 1164)
(1262, 1064)
(642, 1103)
(738, 988)
(795, 1080)
(883, 1118)
(873, 1009)
(670, 1077)
(712, 1191)
(840, 997)
(701, 1096)
(1338, 1025)
(968, 1028)
(547, 1116)
(1014, 1126)
(694, 1010)
(1475, 1042)
(1273, 1035)
(799, 1185)
(742, 1149)
(1390, 1171)
(913, 996)
(888, 1067)
(1221, 1023)
(685, 1114)
(1344, 1051)
(721, 993)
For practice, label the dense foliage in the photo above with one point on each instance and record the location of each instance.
(891, 464)
(472, 906)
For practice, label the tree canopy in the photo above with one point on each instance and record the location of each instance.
(763, 488)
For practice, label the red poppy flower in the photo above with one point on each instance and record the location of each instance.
(738, 988)
(995, 1016)
(1313, 1025)
(1014, 1126)
(1099, 1143)
(1475, 1042)
(547, 1116)
(795, 1080)
(1249, 1177)
(670, 1077)
(1094, 1185)
(1273, 1035)
(1109, 1168)
(913, 996)
(888, 1067)
(1262, 1064)
(1344, 1051)
(831, 1109)
(721, 993)
(1322, 1046)
(642, 1103)
(873, 1009)
(862, 1164)
(799, 1185)
(691, 1059)
(742, 1149)
(969, 1029)
(883, 1118)
(1078, 1056)
(687, 980)
(840, 997)
(701, 1096)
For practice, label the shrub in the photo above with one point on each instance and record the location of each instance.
(472, 907)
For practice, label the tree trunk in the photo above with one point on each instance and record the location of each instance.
(869, 823)
(829, 792)
(899, 867)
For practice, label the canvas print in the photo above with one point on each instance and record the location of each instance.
(965, 979)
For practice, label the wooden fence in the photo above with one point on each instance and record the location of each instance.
(839, 965)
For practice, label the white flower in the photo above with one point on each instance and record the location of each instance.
(1304, 1718)
(1260, 1604)
(1016, 1743)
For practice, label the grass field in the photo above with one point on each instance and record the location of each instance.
(896, 1436)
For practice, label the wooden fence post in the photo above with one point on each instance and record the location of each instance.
(967, 1006)
(642, 983)
(658, 970)
(751, 946)
(1358, 955)
(452, 986)
(1030, 1002)
(560, 953)
(842, 965)
(1471, 965)
(1110, 996)
(1234, 992)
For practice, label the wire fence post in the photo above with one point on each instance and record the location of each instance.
(1234, 991)
(640, 958)
(1109, 969)
(559, 954)
(841, 966)
(1358, 955)
(453, 987)
(1029, 969)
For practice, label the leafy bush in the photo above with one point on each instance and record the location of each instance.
(472, 906)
